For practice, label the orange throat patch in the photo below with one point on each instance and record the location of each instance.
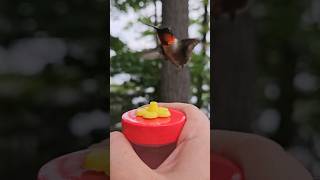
(167, 39)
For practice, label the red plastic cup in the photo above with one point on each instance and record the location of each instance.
(153, 139)
(69, 167)
(222, 168)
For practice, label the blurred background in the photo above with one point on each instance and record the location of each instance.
(266, 72)
(53, 92)
(136, 79)
(53, 81)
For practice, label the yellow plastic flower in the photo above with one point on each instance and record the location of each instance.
(153, 111)
(97, 160)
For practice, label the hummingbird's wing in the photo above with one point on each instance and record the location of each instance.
(231, 7)
(180, 52)
(187, 46)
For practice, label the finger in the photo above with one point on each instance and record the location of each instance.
(197, 123)
(193, 155)
(190, 110)
(102, 144)
(193, 150)
(124, 162)
(64, 167)
(236, 145)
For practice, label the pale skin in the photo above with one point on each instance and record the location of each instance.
(259, 158)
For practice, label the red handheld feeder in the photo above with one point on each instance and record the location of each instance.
(224, 169)
(70, 167)
(154, 137)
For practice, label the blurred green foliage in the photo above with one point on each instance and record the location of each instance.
(288, 62)
(37, 109)
(143, 74)
(288, 42)
(123, 5)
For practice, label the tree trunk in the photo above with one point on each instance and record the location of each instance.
(175, 83)
(234, 73)
(285, 104)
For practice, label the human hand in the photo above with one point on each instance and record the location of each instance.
(72, 165)
(190, 160)
(259, 157)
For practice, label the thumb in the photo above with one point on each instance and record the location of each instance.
(102, 144)
(124, 162)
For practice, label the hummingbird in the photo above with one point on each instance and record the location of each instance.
(230, 7)
(178, 52)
